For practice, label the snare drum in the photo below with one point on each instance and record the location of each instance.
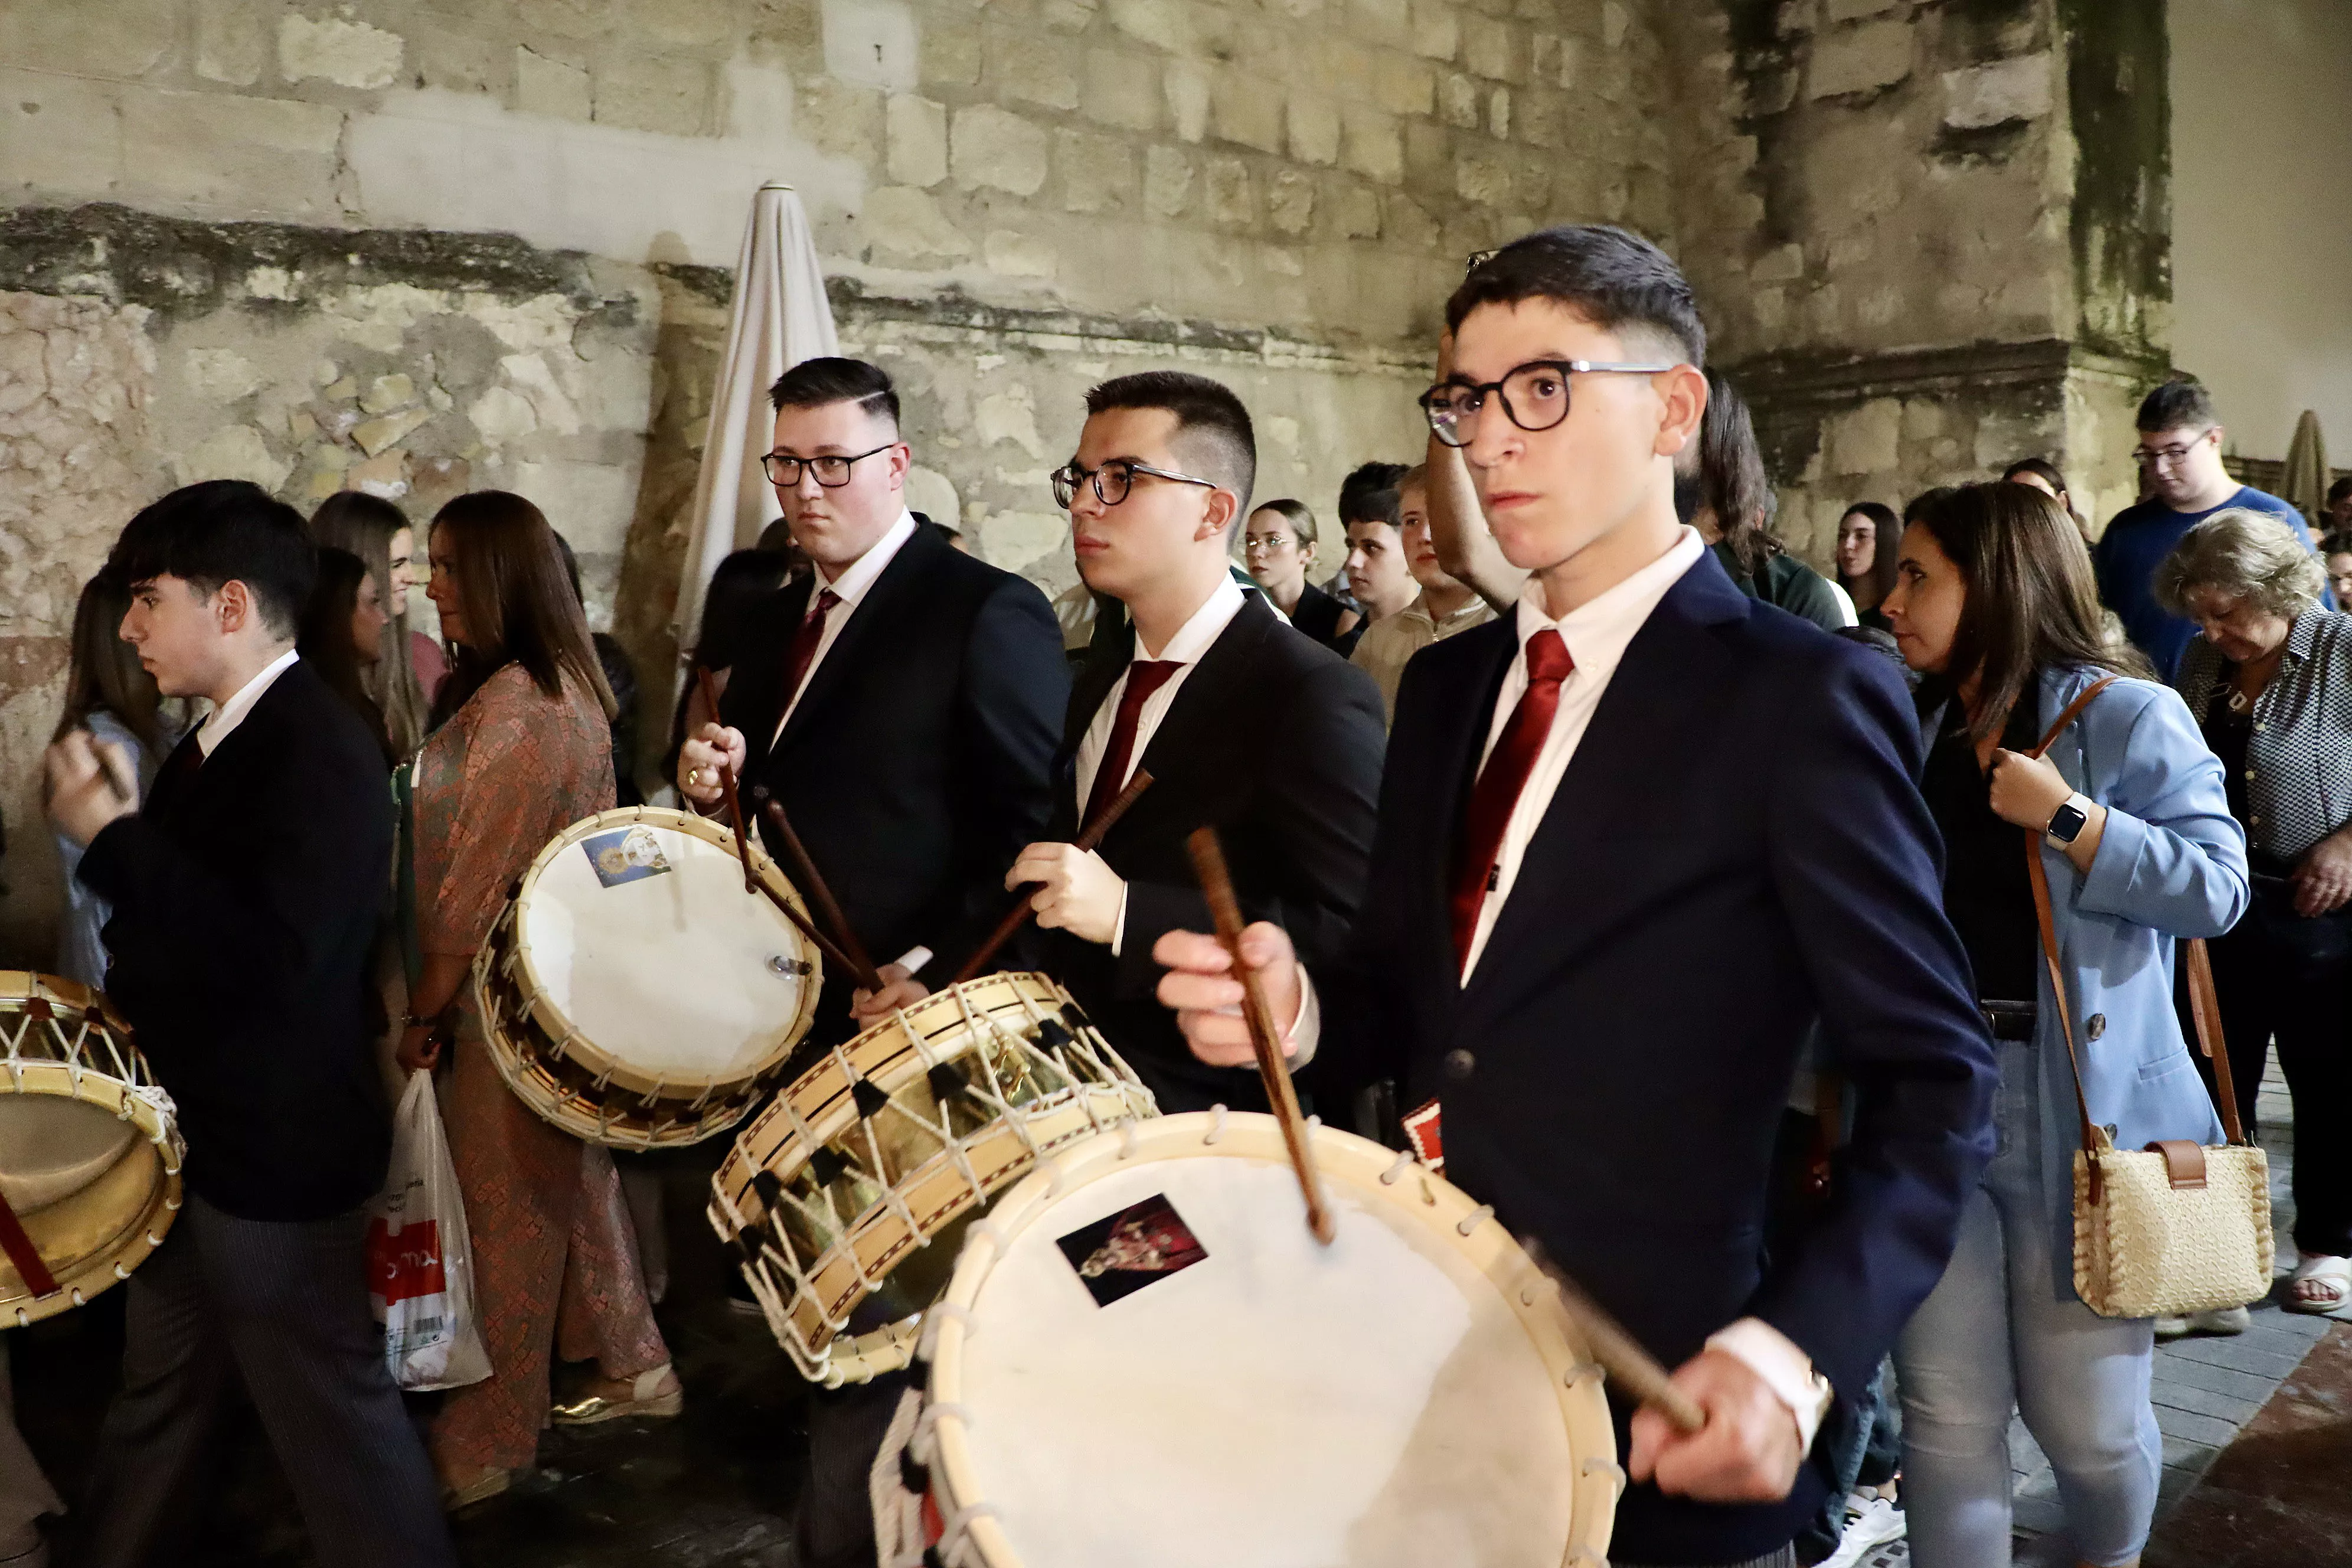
(633, 992)
(1145, 1358)
(89, 1156)
(880, 1153)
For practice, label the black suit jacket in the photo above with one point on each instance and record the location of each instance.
(915, 767)
(1736, 847)
(246, 893)
(1275, 740)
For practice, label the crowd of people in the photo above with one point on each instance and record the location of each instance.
(1776, 1071)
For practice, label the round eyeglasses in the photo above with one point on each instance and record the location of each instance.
(1112, 480)
(1533, 396)
(832, 472)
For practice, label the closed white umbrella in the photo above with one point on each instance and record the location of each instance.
(780, 318)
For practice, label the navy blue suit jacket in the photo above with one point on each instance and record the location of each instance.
(1736, 847)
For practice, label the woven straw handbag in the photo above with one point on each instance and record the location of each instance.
(2176, 1227)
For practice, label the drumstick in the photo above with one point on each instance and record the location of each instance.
(824, 943)
(1636, 1370)
(1018, 915)
(727, 781)
(811, 882)
(1217, 885)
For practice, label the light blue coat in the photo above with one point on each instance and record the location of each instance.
(2171, 864)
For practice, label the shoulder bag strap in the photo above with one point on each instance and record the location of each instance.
(2206, 1012)
(2043, 918)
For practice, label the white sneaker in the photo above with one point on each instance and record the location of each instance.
(1868, 1526)
(2219, 1321)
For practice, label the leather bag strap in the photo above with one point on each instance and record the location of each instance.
(2043, 918)
(2206, 1012)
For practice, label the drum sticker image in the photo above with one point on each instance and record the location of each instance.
(1122, 1253)
(628, 856)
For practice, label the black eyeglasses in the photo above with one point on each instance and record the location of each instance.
(1113, 480)
(1533, 396)
(832, 472)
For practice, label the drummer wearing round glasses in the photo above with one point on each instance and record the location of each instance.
(1279, 546)
(1599, 975)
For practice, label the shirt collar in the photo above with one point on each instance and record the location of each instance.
(1597, 631)
(231, 713)
(860, 575)
(2303, 634)
(1208, 623)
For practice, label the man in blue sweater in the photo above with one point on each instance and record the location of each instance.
(2179, 457)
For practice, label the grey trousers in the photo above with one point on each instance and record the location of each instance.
(284, 1308)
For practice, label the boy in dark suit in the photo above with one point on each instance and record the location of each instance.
(1605, 964)
(246, 894)
(901, 703)
(1243, 722)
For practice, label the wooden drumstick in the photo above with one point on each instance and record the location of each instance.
(1635, 1369)
(1217, 886)
(812, 882)
(727, 781)
(1018, 915)
(824, 944)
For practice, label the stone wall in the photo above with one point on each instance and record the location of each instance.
(1936, 238)
(420, 246)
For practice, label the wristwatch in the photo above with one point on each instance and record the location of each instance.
(2067, 822)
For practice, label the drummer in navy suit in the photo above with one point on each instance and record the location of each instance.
(1633, 841)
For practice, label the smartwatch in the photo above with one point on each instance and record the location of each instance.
(2067, 822)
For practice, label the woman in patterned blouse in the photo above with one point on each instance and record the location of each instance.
(2270, 678)
(521, 749)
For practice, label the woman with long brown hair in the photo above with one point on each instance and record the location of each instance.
(408, 666)
(341, 636)
(1994, 604)
(519, 750)
(109, 693)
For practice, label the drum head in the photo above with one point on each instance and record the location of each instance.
(641, 937)
(51, 1149)
(1376, 1402)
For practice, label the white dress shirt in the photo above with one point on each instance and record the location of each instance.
(1192, 639)
(1597, 633)
(855, 580)
(231, 713)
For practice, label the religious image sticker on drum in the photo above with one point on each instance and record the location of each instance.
(1122, 1253)
(627, 856)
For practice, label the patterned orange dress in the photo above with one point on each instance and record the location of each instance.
(555, 1257)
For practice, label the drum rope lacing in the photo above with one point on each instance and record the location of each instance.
(1216, 1126)
(1475, 1218)
(951, 1544)
(1404, 1162)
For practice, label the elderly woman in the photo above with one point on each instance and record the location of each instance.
(2270, 679)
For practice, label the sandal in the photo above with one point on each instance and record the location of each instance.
(2321, 1285)
(654, 1392)
(485, 1485)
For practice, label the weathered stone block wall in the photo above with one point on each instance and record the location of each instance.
(426, 245)
(1934, 237)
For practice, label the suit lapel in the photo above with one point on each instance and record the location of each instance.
(898, 584)
(1183, 733)
(1566, 891)
(1456, 748)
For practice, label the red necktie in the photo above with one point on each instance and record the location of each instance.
(805, 641)
(1501, 779)
(1144, 677)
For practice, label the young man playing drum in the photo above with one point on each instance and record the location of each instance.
(246, 893)
(1597, 965)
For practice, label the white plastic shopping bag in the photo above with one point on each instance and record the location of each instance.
(420, 1264)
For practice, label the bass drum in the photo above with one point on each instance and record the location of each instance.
(89, 1153)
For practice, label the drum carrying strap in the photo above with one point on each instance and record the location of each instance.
(22, 1253)
(404, 797)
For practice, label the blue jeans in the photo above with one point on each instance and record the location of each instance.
(2001, 1331)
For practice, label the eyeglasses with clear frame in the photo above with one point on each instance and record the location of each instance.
(1113, 480)
(1535, 397)
(831, 471)
(1266, 543)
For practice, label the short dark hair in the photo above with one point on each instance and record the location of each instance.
(1612, 278)
(2335, 542)
(2179, 405)
(814, 382)
(225, 531)
(2339, 490)
(1369, 495)
(1212, 426)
